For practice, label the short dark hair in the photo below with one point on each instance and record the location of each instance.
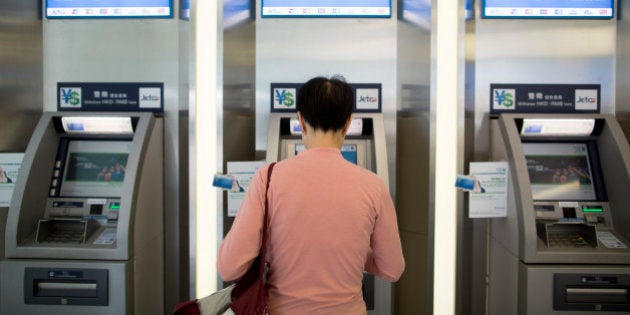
(324, 103)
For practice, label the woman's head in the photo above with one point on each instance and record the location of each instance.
(325, 104)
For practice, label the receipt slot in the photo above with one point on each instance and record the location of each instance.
(365, 146)
(84, 231)
(564, 246)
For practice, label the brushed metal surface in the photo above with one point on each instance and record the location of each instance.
(413, 121)
(238, 132)
(21, 60)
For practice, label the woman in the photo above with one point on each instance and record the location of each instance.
(329, 220)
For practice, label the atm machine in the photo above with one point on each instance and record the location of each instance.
(85, 227)
(564, 247)
(364, 146)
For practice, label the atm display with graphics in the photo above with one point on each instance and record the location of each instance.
(94, 168)
(559, 171)
(326, 8)
(109, 9)
(581, 9)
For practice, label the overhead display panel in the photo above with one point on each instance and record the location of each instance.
(65, 9)
(326, 8)
(548, 9)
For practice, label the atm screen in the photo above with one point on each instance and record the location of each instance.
(559, 171)
(348, 151)
(94, 168)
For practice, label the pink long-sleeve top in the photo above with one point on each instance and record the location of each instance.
(329, 220)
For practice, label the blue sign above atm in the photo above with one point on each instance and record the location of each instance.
(544, 98)
(136, 97)
(367, 97)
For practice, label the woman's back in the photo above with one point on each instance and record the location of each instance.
(322, 212)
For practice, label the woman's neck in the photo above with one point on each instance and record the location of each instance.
(318, 139)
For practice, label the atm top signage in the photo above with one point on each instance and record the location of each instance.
(110, 96)
(544, 98)
(367, 97)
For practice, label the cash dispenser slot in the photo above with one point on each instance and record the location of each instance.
(596, 295)
(579, 292)
(65, 230)
(65, 286)
(567, 235)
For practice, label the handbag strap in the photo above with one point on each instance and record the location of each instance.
(263, 247)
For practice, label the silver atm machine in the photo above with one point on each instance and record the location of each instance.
(365, 146)
(564, 247)
(85, 227)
